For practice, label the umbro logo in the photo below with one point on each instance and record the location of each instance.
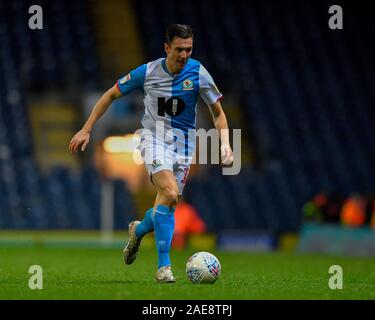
(155, 85)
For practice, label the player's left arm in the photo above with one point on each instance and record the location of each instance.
(221, 124)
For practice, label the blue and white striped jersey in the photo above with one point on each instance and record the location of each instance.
(171, 98)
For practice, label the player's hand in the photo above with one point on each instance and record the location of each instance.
(80, 139)
(226, 154)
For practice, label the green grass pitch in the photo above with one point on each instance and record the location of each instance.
(99, 273)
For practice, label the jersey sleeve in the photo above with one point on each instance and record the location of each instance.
(207, 88)
(133, 80)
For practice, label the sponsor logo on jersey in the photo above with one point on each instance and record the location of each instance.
(188, 85)
(125, 79)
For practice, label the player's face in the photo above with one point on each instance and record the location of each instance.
(178, 53)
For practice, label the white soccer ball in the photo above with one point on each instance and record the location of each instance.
(203, 267)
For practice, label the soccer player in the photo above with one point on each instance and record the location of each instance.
(171, 88)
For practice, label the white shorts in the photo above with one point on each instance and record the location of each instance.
(160, 155)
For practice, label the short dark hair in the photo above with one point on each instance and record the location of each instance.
(178, 30)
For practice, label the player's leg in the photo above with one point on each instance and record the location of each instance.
(156, 160)
(146, 225)
(137, 229)
(181, 171)
(165, 204)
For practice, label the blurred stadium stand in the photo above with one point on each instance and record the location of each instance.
(60, 57)
(306, 94)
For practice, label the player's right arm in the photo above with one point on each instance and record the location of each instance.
(82, 137)
(132, 81)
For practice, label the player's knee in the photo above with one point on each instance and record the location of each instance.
(169, 196)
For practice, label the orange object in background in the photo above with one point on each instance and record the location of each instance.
(372, 222)
(353, 211)
(187, 221)
(320, 200)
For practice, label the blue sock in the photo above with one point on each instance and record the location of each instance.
(146, 225)
(164, 228)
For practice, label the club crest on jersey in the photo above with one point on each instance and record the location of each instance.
(156, 164)
(188, 85)
(125, 79)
